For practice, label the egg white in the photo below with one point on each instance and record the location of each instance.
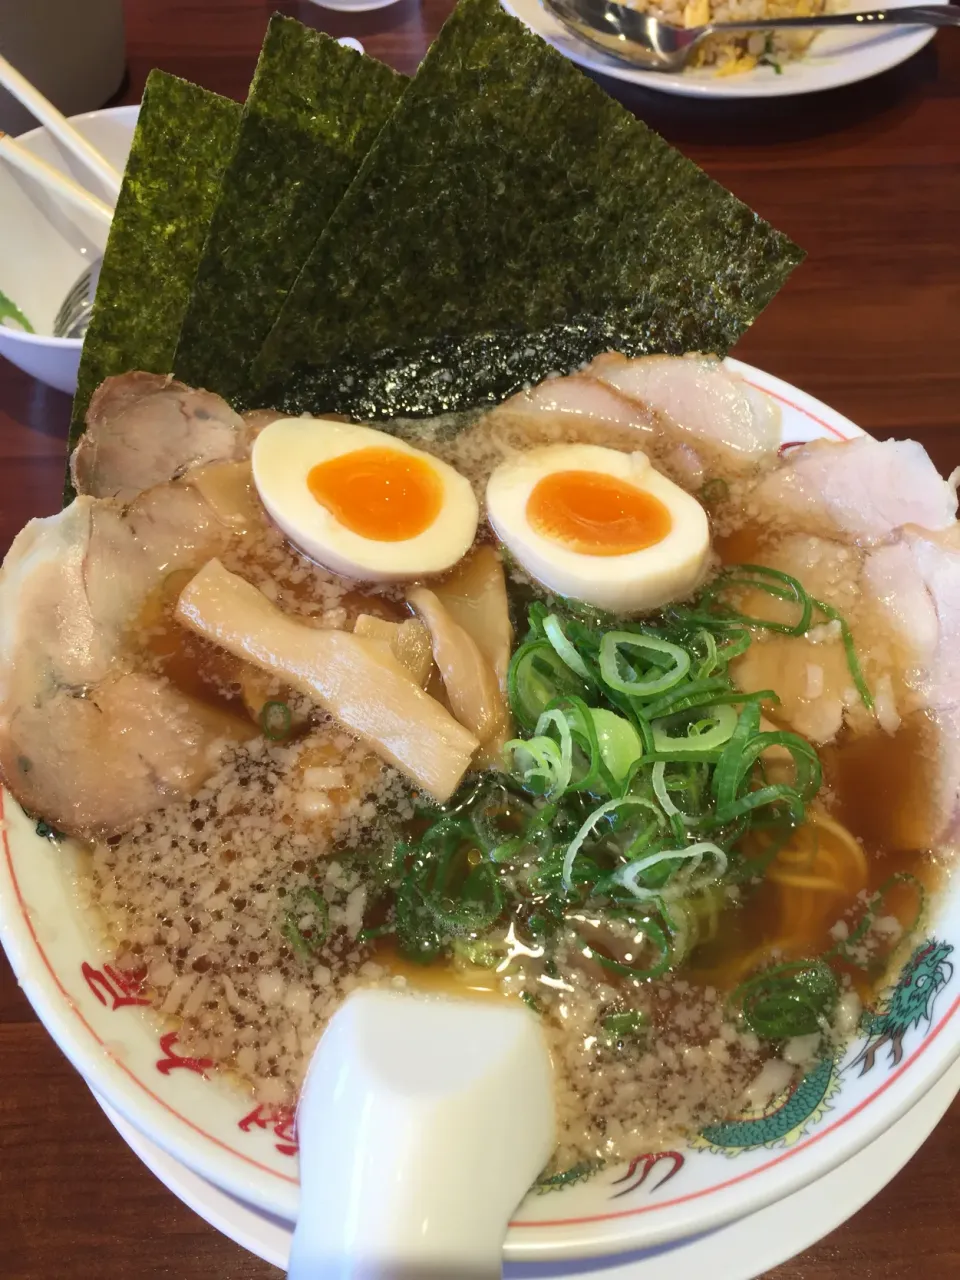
(625, 584)
(284, 453)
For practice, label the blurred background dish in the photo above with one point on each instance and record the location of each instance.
(46, 243)
(834, 58)
(353, 6)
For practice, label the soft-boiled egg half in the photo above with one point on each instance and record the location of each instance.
(600, 526)
(361, 502)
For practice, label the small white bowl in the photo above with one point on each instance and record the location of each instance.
(45, 244)
(353, 6)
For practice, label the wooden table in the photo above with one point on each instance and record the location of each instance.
(867, 179)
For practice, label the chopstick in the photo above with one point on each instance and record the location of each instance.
(27, 162)
(59, 126)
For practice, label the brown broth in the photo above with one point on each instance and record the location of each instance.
(203, 670)
(198, 668)
(442, 979)
(877, 786)
(882, 785)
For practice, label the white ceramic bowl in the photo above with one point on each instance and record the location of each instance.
(353, 6)
(45, 244)
(250, 1151)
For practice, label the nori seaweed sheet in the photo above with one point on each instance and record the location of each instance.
(183, 140)
(511, 220)
(456, 374)
(313, 111)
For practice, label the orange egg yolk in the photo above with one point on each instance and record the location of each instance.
(596, 514)
(378, 493)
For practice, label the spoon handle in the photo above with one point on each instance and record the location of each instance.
(422, 1124)
(921, 15)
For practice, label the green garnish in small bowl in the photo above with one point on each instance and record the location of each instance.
(9, 311)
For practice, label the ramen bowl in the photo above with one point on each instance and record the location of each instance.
(95, 1012)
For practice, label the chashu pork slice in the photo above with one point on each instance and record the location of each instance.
(584, 399)
(143, 429)
(862, 491)
(902, 600)
(873, 533)
(694, 414)
(809, 673)
(88, 741)
(698, 400)
(916, 583)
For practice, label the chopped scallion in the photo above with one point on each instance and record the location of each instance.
(275, 721)
(307, 922)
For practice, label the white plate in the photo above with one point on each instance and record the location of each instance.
(740, 1251)
(835, 58)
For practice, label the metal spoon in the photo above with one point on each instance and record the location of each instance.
(655, 45)
(75, 310)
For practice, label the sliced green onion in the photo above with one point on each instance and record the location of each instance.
(531, 1001)
(780, 586)
(695, 853)
(558, 720)
(712, 659)
(442, 895)
(619, 742)
(688, 694)
(611, 806)
(538, 764)
(467, 794)
(649, 716)
(594, 775)
(372, 932)
(658, 778)
(535, 677)
(479, 905)
(727, 776)
(614, 641)
(850, 649)
(418, 934)
(757, 577)
(618, 1026)
(713, 491)
(275, 720)
(723, 720)
(684, 916)
(733, 776)
(844, 948)
(307, 922)
(692, 781)
(482, 952)
(736, 640)
(498, 816)
(788, 1000)
(564, 649)
(546, 767)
